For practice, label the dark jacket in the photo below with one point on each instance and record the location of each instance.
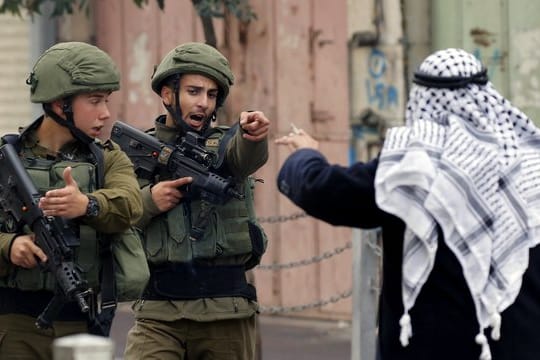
(443, 318)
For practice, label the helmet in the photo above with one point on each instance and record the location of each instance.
(70, 68)
(195, 58)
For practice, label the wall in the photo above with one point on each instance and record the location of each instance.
(15, 109)
(505, 35)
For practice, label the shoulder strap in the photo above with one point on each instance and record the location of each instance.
(100, 164)
(223, 144)
(108, 285)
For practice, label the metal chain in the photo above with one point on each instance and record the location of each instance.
(304, 262)
(374, 245)
(297, 308)
(282, 218)
(314, 259)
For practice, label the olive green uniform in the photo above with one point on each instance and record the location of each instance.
(120, 205)
(198, 327)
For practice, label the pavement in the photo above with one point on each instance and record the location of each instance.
(283, 337)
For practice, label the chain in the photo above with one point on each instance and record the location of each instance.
(304, 262)
(297, 308)
(373, 244)
(281, 218)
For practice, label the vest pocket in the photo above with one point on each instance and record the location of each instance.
(81, 171)
(153, 240)
(30, 279)
(223, 237)
(87, 253)
(237, 240)
(207, 247)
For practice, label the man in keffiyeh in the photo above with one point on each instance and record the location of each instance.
(456, 192)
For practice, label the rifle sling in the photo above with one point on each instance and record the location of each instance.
(223, 145)
(199, 225)
(108, 286)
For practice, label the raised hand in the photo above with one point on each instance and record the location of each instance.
(255, 124)
(68, 202)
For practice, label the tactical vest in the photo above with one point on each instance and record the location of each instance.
(232, 230)
(47, 175)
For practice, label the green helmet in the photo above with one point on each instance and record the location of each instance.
(70, 68)
(195, 58)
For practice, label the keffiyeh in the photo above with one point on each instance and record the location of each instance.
(466, 162)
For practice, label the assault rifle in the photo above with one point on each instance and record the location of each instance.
(19, 199)
(189, 158)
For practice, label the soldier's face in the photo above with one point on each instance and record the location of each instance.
(91, 112)
(198, 97)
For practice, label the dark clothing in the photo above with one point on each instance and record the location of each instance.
(20, 339)
(443, 318)
(229, 339)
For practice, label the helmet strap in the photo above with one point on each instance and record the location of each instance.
(68, 121)
(176, 111)
(206, 125)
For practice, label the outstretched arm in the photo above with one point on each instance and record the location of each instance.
(248, 149)
(336, 194)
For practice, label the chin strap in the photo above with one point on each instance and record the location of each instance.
(176, 111)
(68, 121)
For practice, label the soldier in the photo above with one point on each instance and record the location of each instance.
(198, 304)
(89, 183)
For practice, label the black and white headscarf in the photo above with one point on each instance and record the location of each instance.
(467, 162)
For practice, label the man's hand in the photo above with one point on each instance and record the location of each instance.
(255, 125)
(166, 194)
(68, 202)
(298, 140)
(25, 253)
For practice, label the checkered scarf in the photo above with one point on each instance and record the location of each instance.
(468, 163)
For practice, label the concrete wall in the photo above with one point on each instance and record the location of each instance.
(15, 109)
(505, 35)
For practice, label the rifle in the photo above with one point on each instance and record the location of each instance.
(19, 199)
(189, 158)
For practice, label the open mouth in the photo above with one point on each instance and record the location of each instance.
(197, 117)
(196, 120)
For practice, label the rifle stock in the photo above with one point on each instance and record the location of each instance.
(188, 159)
(19, 199)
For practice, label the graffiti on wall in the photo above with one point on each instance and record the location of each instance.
(526, 77)
(381, 94)
(493, 60)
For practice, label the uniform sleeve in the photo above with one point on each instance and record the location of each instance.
(149, 207)
(120, 203)
(244, 157)
(338, 195)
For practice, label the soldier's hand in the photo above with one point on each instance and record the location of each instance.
(255, 125)
(25, 253)
(168, 194)
(68, 202)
